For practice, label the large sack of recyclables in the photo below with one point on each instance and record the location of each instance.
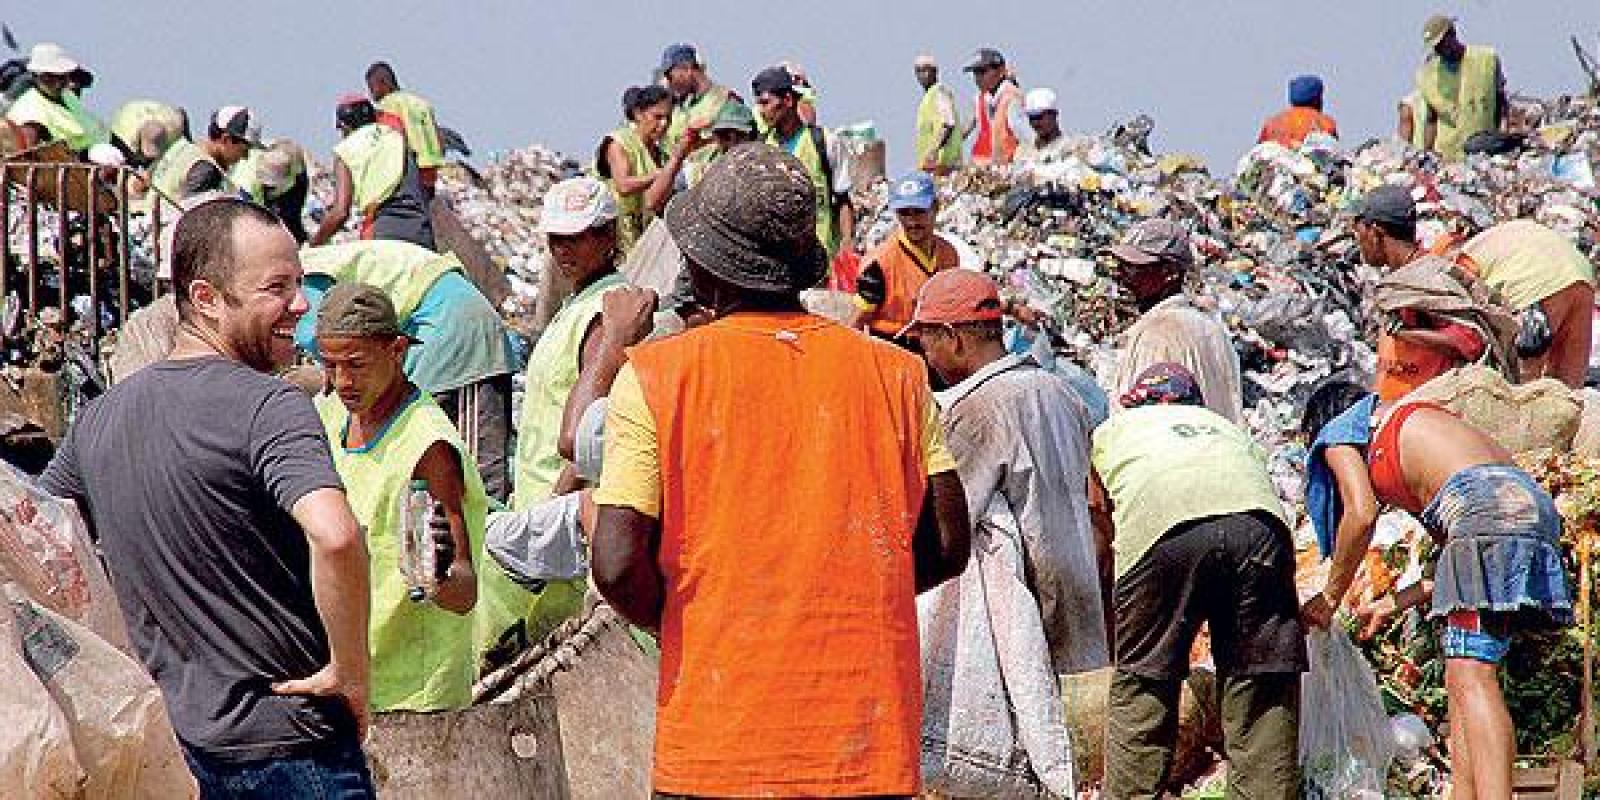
(83, 718)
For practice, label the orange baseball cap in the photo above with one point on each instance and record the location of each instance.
(954, 296)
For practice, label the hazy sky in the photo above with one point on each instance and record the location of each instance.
(506, 74)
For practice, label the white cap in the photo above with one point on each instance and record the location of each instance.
(1039, 101)
(925, 60)
(47, 58)
(576, 205)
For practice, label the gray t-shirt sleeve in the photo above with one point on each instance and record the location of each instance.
(289, 450)
(62, 478)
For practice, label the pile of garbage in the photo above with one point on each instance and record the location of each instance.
(1276, 258)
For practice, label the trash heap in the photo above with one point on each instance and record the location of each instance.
(1275, 255)
(1277, 260)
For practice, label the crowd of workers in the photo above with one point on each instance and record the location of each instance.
(804, 516)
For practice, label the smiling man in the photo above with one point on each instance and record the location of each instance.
(887, 290)
(237, 562)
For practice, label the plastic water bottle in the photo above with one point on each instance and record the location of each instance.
(418, 554)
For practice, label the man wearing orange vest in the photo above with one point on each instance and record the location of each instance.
(1302, 118)
(887, 290)
(775, 492)
(999, 97)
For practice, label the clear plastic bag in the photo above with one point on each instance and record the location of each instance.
(1346, 742)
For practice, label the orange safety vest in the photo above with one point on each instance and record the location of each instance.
(792, 476)
(996, 142)
(904, 272)
(1291, 127)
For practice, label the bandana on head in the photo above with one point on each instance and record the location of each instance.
(1163, 384)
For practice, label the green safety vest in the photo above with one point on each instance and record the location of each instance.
(404, 271)
(423, 657)
(1463, 99)
(552, 372)
(376, 158)
(702, 109)
(930, 126)
(132, 115)
(67, 121)
(243, 176)
(804, 147)
(632, 216)
(167, 175)
(422, 134)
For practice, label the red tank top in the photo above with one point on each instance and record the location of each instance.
(1383, 459)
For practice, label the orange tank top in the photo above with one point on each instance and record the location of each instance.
(792, 477)
(1404, 365)
(904, 272)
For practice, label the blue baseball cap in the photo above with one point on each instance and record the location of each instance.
(677, 55)
(913, 191)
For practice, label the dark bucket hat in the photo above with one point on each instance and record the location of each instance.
(751, 221)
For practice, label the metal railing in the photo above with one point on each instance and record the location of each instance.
(86, 198)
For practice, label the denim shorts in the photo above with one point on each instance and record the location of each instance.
(1474, 635)
(1501, 548)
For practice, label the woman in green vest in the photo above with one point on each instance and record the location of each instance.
(630, 156)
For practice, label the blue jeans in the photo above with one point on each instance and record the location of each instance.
(339, 772)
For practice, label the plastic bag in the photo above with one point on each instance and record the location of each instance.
(36, 742)
(45, 549)
(118, 722)
(1346, 742)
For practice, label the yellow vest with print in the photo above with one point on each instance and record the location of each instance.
(404, 271)
(930, 126)
(1168, 464)
(422, 133)
(1463, 99)
(632, 216)
(376, 158)
(422, 655)
(804, 147)
(67, 121)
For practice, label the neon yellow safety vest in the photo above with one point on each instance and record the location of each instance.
(404, 271)
(930, 126)
(803, 146)
(422, 655)
(422, 134)
(243, 176)
(167, 175)
(552, 372)
(632, 216)
(700, 110)
(132, 115)
(67, 121)
(1464, 98)
(376, 158)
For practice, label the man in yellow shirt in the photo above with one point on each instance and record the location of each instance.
(1198, 535)
(390, 441)
(1462, 86)
(414, 116)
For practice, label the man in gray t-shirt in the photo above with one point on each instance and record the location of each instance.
(240, 569)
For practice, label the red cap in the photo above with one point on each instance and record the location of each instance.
(957, 295)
